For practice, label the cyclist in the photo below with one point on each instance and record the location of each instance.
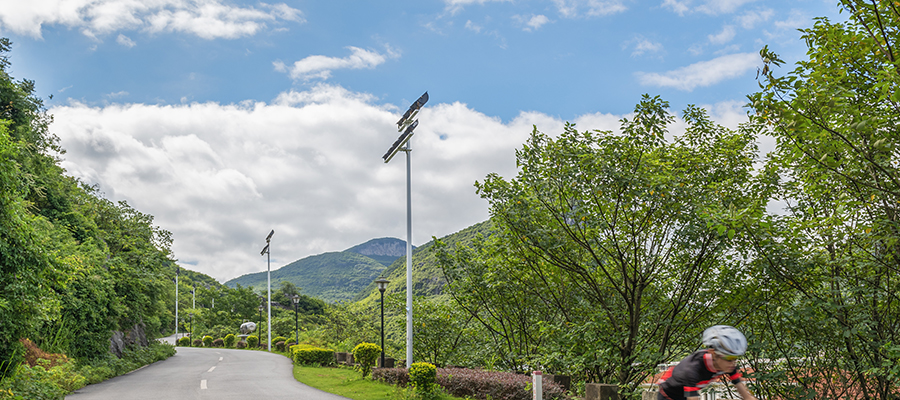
(724, 345)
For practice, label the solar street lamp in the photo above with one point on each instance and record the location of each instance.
(382, 285)
(266, 250)
(296, 300)
(407, 125)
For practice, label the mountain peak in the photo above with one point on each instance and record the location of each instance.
(381, 247)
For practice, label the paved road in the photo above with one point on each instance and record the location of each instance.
(197, 373)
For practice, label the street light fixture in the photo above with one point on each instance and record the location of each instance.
(407, 125)
(296, 300)
(267, 251)
(382, 284)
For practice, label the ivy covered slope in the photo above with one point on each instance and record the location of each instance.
(74, 267)
(335, 276)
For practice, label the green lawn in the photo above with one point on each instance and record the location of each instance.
(347, 382)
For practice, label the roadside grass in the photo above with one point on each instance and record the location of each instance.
(347, 382)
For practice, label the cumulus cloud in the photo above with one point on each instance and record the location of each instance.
(531, 23)
(208, 19)
(455, 6)
(643, 45)
(589, 8)
(320, 67)
(710, 7)
(749, 19)
(724, 36)
(701, 74)
(307, 164)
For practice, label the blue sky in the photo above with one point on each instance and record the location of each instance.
(225, 119)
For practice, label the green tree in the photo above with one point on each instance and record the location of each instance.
(834, 255)
(623, 239)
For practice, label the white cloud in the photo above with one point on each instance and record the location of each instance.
(208, 19)
(308, 165)
(117, 94)
(455, 6)
(473, 26)
(724, 36)
(749, 19)
(320, 67)
(703, 73)
(643, 45)
(710, 7)
(531, 23)
(589, 8)
(125, 41)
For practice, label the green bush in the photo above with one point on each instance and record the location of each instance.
(184, 341)
(207, 341)
(277, 339)
(240, 345)
(422, 376)
(366, 354)
(252, 341)
(197, 342)
(229, 340)
(280, 346)
(218, 342)
(303, 354)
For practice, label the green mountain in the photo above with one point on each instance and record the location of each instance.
(332, 277)
(428, 279)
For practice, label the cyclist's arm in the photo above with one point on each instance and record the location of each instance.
(744, 392)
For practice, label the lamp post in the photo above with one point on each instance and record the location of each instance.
(177, 272)
(296, 300)
(191, 327)
(382, 284)
(259, 326)
(407, 125)
(266, 250)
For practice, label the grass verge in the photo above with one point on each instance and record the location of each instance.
(350, 383)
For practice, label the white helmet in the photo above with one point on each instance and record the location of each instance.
(725, 340)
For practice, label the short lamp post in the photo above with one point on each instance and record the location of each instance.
(382, 285)
(296, 300)
(191, 327)
(259, 326)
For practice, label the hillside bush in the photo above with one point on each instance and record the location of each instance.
(207, 341)
(218, 342)
(307, 355)
(252, 341)
(366, 354)
(184, 341)
(197, 342)
(229, 340)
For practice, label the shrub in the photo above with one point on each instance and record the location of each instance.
(218, 342)
(308, 355)
(207, 341)
(277, 339)
(263, 346)
(252, 341)
(184, 341)
(229, 340)
(366, 354)
(197, 342)
(279, 345)
(240, 345)
(393, 376)
(462, 382)
(422, 377)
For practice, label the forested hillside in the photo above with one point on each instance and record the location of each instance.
(74, 266)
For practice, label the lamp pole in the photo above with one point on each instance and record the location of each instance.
(267, 251)
(191, 335)
(382, 284)
(259, 329)
(296, 300)
(177, 272)
(406, 122)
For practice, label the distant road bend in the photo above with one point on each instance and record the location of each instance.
(196, 373)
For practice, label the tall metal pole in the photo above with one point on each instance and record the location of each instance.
(177, 272)
(409, 294)
(269, 301)
(296, 325)
(382, 328)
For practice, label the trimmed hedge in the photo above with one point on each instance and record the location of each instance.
(279, 345)
(252, 341)
(366, 354)
(184, 341)
(197, 342)
(207, 341)
(229, 340)
(478, 384)
(423, 375)
(218, 342)
(303, 354)
(240, 345)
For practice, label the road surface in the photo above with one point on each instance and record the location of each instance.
(208, 373)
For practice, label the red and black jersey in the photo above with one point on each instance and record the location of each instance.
(690, 375)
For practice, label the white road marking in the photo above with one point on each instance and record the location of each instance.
(220, 358)
(203, 384)
(211, 369)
